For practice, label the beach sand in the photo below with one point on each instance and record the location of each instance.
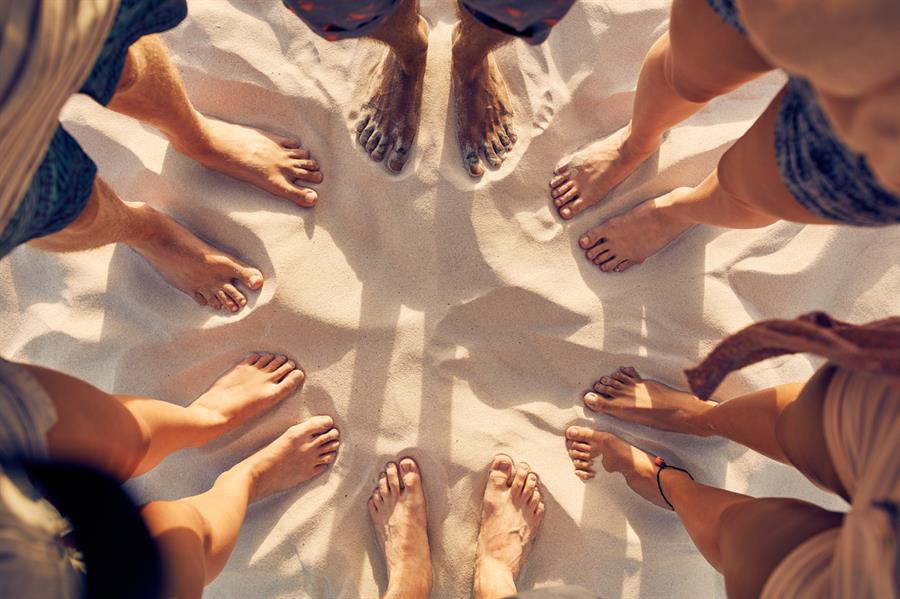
(435, 315)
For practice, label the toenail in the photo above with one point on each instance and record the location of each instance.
(584, 241)
(566, 212)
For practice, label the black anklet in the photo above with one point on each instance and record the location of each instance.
(661, 463)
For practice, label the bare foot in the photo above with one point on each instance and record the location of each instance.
(629, 239)
(273, 163)
(255, 384)
(399, 515)
(511, 514)
(584, 178)
(302, 452)
(638, 467)
(208, 275)
(484, 114)
(627, 396)
(390, 117)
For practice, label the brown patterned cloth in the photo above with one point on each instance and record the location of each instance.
(874, 347)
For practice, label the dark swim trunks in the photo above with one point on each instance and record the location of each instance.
(62, 185)
(335, 20)
(821, 172)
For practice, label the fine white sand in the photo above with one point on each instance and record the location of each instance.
(435, 315)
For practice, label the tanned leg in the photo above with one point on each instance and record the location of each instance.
(390, 115)
(484, 115)
(699, 58)
(196, 535)
(192, 266)
(150, 90)
(143, 431)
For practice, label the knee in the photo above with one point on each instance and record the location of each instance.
(684, 87)
(130, 69)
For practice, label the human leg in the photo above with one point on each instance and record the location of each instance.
(196, 268)
(699, 58)
(400, 517)
(197, 534)
(144, 431)
(511, 515)
(150, 90)
(719, 522)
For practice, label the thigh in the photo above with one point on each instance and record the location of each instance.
(749, 172)
(92, 427)
(756, 535)
(708, 57)
(800, 432)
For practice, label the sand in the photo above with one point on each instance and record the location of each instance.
(436, 316)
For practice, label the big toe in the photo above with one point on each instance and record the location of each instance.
(580, 433)
(252, 278)
(409, 473)
(473, 163)
(502, 470)
(593, 401)
(317, 425)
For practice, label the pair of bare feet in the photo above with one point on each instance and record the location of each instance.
(390, 115)
(511, 514)
(585, 178)
(278, 165)
(626, 395)
(256, 384)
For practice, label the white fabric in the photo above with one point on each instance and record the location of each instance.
(59, 52)
(435, 315)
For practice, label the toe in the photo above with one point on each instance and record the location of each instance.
(299, 173)
(557, 192)
(582, 464)
(579, 433)
(264, 360)
(579, 455)
(585, 474)
(608, 264)
(409, 473)
(366, 133)
(624, 265)
(373, 142)
(593, 401)
(301, 154)
(297, 192)
(393, 477)
(571, 194)
(327, 459)
(504, 139)
(293, 379)
(631, 372)
(250, 359)
(252, 278)
(383, 147)
(399, 156)
(320, 424)
(373, 509)
(591, 238)
(363, 122)
(490, 156)
(214, 302)
(605, 392)
(530, 484)
(510, 131)
(307, 164)
(522, 472)
(200, 298)
(611, 382)
(623, 379)
(328, 436)
(534, 499)
(473, 164)
(539, 511)
(284, 142)
(383, 488)
(560, 179)
(283, 370)
(575, 207)
(276, 362)
(501, 470)
(595, 252)
(234, 294)
(329, 447)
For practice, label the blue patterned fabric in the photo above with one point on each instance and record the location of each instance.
(62, 184)
(335, 20)
(821, 172)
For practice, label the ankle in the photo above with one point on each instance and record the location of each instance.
(411, 584)
(637, 145)
(493, 579)
(701, 420)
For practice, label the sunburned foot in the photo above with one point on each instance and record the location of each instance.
(254, 385)
(587, 176)
(511, 515)
(302, 452)
(273, 163)
(484, 113)
(628, 239)
(390, 116)
(627, 396)
(208, 275)
(399, 515)
(638, 467)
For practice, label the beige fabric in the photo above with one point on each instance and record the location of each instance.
(862, 431)
(61, 41)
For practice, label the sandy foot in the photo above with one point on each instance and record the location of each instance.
(629, 239)
(257, 383)
(273, 163)
(511, 514)
(399, 515)
(587, 176)
(208, 275)
(483, 113)
(627, 396)
(302, 452)
(390, 117)
(638, 467)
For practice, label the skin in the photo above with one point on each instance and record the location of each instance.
(698, 59)
(151, 91)
(195, 534)
(511, 515)
(742, 537)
